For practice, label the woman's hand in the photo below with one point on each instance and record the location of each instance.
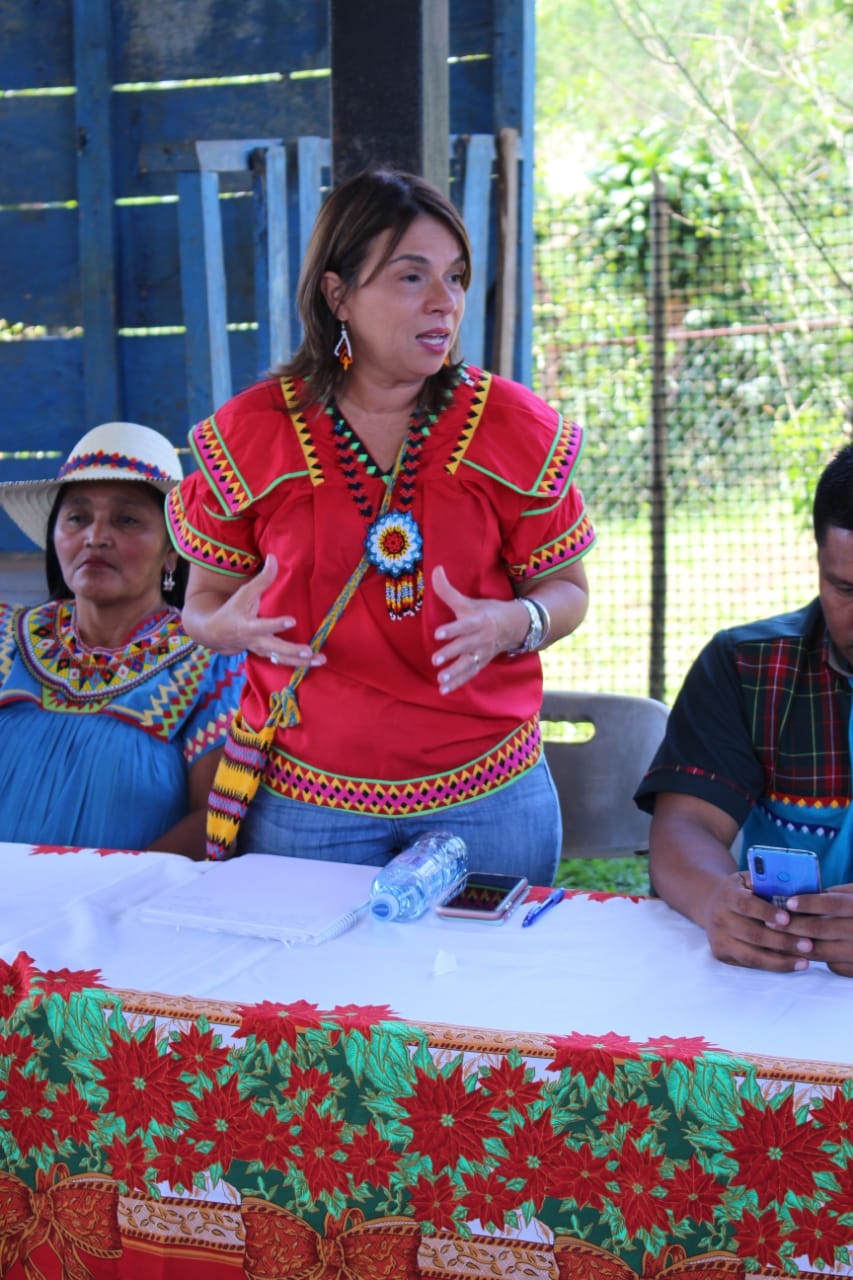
(225, 615)
(481, 630)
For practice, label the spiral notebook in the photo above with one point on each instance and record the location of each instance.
(259, 895)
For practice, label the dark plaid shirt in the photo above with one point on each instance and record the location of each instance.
(762, 714)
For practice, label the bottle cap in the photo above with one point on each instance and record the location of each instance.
(384, 906)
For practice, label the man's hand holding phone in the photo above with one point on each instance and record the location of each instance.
(818, 922)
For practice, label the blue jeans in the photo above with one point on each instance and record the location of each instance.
(516, 830)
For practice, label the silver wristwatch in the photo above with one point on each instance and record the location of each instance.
(539, 628)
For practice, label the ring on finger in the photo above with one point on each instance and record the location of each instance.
(275, 659)
(476, 658)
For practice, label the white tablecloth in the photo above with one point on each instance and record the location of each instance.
(633, 967)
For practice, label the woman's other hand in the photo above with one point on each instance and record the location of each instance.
(481, 629)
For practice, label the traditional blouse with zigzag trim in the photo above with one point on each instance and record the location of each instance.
(96, 743)
(496, 505)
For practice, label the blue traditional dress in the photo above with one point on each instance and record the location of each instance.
(96, 744)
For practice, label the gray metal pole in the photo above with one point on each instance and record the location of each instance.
(658, 298)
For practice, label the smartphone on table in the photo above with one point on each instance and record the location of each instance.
(778, 874)
(485, 896)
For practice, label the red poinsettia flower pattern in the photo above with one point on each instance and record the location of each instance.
(761, 1237)
(142, 1083)
(509, 1086)
(64, 982)
(29, 1111)
(693, 1193)
(16, 980)
(448, 1121)
(834, 1117)
(434, 1201)
(370, 1158)
(534, 1153)
(278, 1024)
(582, 1177)
(220, 1115)
(128, 1161)
(488, 1198)
(71, 1118)
(265, 1138)
(591, 1056)
(817, 1235)
(318, 1143)
(774, 1153)
(197, 1051)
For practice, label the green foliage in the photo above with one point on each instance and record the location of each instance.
(608, 875)
(706, 206)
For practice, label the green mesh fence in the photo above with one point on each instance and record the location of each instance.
(756, 383)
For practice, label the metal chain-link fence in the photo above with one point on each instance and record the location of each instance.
(712, 369)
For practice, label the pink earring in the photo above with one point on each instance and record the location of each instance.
(343, 350)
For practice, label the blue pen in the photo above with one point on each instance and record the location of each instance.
(555, 896)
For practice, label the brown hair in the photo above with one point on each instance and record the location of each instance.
(356, 212)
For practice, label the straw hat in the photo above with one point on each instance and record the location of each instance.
(112, 451)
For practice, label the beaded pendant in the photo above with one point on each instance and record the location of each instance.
(393, 543)
(395, 547)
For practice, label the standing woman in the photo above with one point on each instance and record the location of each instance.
(111, 718)
(392, 536)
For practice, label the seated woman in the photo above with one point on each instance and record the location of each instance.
(112, 719)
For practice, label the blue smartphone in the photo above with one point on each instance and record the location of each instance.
(777, 874)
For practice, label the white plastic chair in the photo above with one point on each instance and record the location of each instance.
(596, 777)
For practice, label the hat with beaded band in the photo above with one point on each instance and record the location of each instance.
(112, 451)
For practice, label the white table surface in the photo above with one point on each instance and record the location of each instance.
(589, 966)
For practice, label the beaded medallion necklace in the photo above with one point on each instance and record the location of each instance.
(393, 543)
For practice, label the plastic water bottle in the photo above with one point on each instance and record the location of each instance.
(419, 876)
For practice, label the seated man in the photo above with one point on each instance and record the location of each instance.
(758, 741)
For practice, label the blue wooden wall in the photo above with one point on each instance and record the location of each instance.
(90, 247)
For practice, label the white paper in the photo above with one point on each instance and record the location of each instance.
(264, 896)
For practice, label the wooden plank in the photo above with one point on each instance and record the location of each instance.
(308, 177)
(43, 402)
(42, 412)
(37, 46)
(39, 267)
(271, 257)
(153, 370)
(37, 40)
(92, 44)
(285, 110)
(150, 268)
(506, 274)
(382, 100)
(471, 23)
(203, 292)
(174, 40)
(471, 107)
(42, 129)
(475, 205)
(222, 155)
(515, 78)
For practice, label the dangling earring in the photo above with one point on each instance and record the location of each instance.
(168, 581)
(343, 350)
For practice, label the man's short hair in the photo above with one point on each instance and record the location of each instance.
(833, 499)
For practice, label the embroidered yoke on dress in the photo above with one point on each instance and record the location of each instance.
(487, 486)
(96, 743)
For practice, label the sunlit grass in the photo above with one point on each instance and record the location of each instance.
(724, 568)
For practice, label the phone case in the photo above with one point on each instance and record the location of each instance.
(487, 898)
(778, 874)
